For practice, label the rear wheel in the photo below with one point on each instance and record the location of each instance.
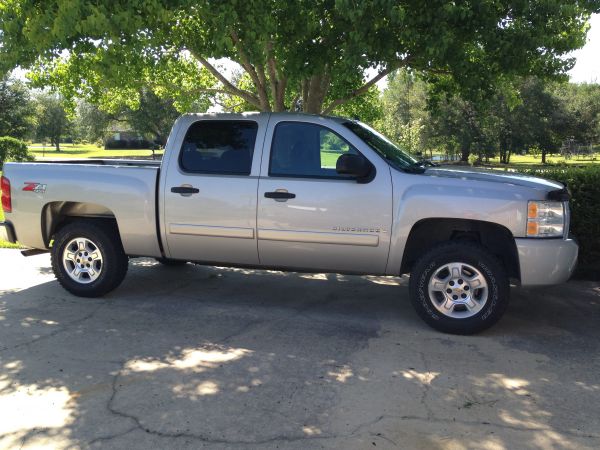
(88, 259)
(459, 287)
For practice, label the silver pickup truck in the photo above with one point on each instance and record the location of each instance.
(302, 193)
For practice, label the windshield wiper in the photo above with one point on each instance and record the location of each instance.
(416, 167)
(420, 166)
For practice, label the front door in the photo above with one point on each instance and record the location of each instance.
(310, 217)
(210, 195)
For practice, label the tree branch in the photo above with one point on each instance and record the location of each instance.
(262, 87)
(361, 90)
(278, 82)
(229, 87)
(257, 76)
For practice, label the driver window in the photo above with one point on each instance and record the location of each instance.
(306, 150)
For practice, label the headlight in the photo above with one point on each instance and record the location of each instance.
(545, 219)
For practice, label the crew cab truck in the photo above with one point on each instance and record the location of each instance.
(301, 193)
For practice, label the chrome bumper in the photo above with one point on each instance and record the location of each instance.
(7, 232)
(546, 261)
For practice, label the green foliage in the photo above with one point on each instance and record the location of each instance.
(584, 185)
(580, 110)
(534, 151)
(16, 110)
(518, 115)
(12, 149)
(153, 117)
(313, 50)
(52, 120)
(367, 108)
(473, 159)
(405, 116)
(90, 122)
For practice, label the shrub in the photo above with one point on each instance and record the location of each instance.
(473, 159)
(12, 149)
(584, 185)
(535, 151)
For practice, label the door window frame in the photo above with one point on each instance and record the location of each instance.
(314, 177)
(253, 149)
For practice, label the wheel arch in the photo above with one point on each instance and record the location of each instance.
(427, 233)
(56, 215)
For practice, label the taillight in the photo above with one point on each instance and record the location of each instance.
(6, 200)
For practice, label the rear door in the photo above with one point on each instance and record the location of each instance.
(210, 190)
(310, 217)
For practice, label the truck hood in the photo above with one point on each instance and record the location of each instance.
(494, 176)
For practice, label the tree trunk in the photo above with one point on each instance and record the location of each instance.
(465, 151)
(544, 156)
(314, 92)
(56, 144)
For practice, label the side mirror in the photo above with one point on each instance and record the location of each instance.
(356, 165)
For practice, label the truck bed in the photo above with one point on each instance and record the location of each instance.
(120, 188)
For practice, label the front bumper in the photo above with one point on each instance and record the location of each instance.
(546, 261)
(7, 232)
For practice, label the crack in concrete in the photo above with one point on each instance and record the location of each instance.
(482, 423)
(426, 387)
(203, 438)
(112, 436)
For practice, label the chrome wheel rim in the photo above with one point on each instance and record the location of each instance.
(82, 260)
(458, 290)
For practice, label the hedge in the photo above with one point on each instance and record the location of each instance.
(12, 149)
(584, 185)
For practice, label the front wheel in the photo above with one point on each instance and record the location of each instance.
(459, 288)
(88, 259)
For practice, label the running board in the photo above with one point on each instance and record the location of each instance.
(34, 251)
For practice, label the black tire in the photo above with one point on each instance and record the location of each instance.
(114, 262)
(171, 262)
(470, 254)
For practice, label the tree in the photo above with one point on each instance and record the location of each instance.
(90, 123)
(307, 53)
(581, 106)
(154, 116)
(405, 111)
(540, 118)
(52, 120)
(16, 111)
(457, 125)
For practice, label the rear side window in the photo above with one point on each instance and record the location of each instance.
(220, 147)
(307, 150)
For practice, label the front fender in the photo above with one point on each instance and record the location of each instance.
(422, 197)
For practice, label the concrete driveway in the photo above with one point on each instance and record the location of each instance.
(204, 357)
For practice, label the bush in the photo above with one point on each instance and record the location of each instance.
(584, 185)
(12, 149)
(535, 151)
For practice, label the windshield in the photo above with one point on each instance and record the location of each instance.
(383, 146)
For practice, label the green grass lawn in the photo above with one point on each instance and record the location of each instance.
(87, 151)
(530, 160)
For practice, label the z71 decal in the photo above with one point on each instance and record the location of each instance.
(34, 187)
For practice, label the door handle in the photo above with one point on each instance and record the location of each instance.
(184, 190)
(280, 195)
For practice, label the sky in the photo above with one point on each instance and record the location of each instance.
(587, 68)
